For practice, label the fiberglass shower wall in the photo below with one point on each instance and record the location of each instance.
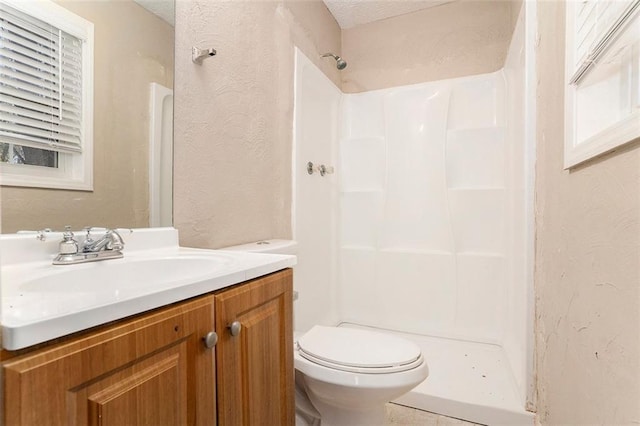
(427, 224)
(423, 227)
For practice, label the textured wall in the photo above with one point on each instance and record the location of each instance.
(453, 40)
(132, 49)
(233, 115)
(587, 263)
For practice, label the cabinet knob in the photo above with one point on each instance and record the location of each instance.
(210, 339)
(234, 328)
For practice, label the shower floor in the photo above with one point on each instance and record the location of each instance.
(467, 380)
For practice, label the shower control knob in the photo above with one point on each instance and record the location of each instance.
(210, 339)
(234, 328)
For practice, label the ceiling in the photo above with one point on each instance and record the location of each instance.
(165, 9)
(350, 13)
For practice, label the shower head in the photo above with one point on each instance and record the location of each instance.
(340, 63)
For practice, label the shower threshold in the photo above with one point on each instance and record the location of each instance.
(467, 380)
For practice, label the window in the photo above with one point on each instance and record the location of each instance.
(46, 96)
(602, 110)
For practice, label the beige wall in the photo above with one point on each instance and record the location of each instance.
(587, 273)
(453, 40)
(234, 113)
(132, 49)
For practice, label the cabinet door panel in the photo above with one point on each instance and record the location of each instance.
(152, 370)
(131, 396)
(255, 368)
(262, 373)
(131, 401)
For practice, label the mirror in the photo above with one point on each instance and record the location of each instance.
(132, 180)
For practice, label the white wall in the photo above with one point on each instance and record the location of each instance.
(317, 102)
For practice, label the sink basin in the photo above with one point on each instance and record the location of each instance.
(124, 275)
(42, 291)
(41, 301)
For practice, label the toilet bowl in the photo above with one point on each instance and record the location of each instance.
(347, 374)
(350, 374)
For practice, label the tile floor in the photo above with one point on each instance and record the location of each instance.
(406, 416)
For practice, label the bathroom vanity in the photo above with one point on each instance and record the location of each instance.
(223, 356)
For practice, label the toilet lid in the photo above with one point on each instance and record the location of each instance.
(358, 350)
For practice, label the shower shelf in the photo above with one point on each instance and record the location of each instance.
(362, 190)
(476, 128)
(361, 247)
(395, 250)
(410, 250)
(363, 138)
(479, 188)
(480, 254)
(461, 188)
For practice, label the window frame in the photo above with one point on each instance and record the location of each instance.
(625, 130)
(74, 171)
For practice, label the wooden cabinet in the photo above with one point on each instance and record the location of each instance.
(154, 369)
(255, 366)
(151, 370)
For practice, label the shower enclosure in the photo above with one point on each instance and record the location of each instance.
(425, 229)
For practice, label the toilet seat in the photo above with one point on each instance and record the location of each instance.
(359, 351)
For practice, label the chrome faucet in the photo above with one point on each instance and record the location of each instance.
(111, 240)
(109, 246)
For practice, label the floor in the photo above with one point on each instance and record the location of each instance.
(406, 416)
(466, 380)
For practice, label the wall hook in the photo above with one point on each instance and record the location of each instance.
(197, 55)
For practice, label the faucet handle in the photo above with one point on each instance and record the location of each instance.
(42, 234)
(87, 237)
(68, 245)
(68, 233)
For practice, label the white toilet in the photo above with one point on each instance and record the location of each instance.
(348, 374)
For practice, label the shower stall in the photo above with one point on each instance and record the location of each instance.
(425, 229)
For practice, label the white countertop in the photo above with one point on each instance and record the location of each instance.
(40, 302)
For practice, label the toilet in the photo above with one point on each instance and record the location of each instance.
(345, 376)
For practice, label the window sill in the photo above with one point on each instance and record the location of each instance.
(41, 177)
(625, 131)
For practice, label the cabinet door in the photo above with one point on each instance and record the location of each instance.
(151, 370)
(255, 367)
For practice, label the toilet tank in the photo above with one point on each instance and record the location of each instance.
(267, 246)
(270, 247)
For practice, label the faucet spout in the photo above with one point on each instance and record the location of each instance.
(111, 240)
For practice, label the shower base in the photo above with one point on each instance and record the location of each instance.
(467, 380)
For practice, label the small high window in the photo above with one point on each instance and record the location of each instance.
(46, 96)
(602, 97)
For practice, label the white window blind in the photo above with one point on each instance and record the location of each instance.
(602, 86)
(40, 84)
(597, 24)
